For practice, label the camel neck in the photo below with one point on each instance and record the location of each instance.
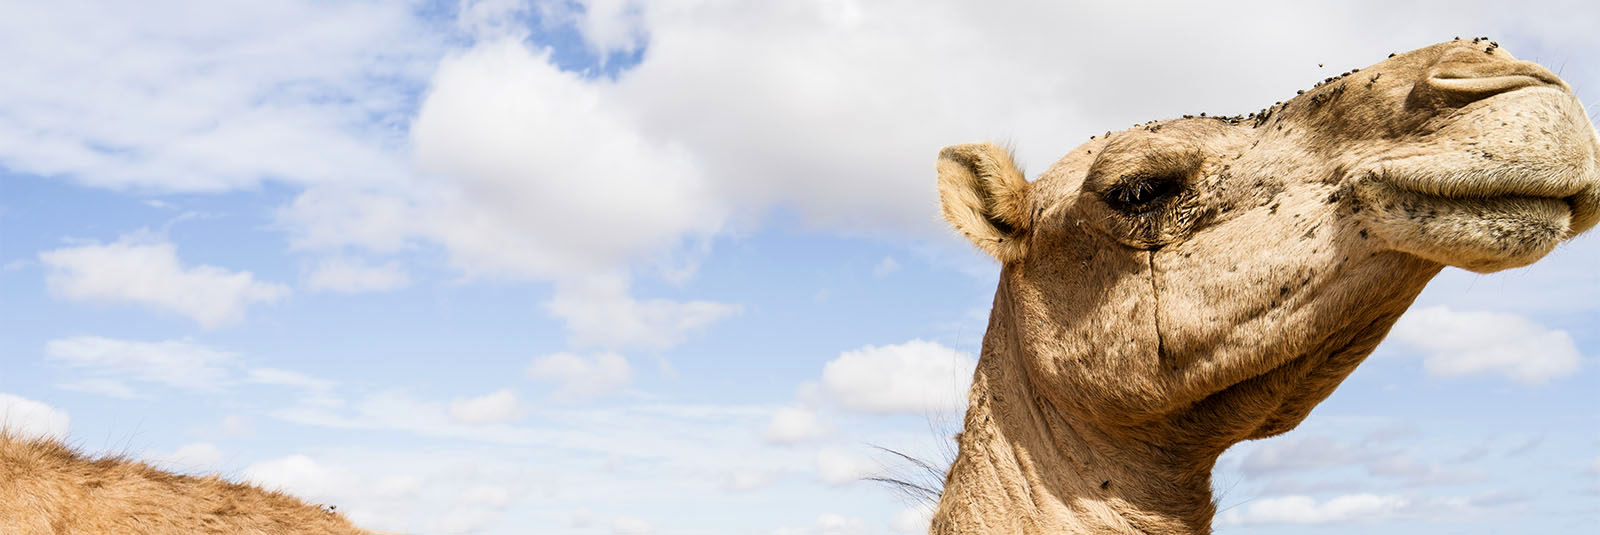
(1026, 467)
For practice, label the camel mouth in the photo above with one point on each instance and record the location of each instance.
(1482, 230)
(1498, 185)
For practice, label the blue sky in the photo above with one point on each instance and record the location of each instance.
(673, 267)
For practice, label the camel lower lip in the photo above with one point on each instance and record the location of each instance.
(1500, 206)
(1491, 202)
(1481, 234)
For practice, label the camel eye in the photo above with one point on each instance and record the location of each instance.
(1139, 194)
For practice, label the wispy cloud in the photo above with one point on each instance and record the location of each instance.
(144, 269)
(791, 425)
(1307, 453)
(579, 377)
(297, 91)
(175, 363)
(1454, 343)
(109, 365)
(350, 275)
(1306, 510)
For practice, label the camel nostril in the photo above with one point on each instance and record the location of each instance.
(1484, 87)
(1467, 74)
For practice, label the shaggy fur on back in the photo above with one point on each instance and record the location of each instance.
(47, 488)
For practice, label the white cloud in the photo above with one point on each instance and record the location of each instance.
(1292, 453)
(234, 425)
(631, 526)
(838, 467)
(582, 517)
(608, 25)
(476, 509)
(111, 363)
(296, 91)
(828, 524)
(201, 456)
(913, 520)
(139, 268)
(917, 376)
(745, 480)
(401, 490)
(330, 217)
(1456, 343)
(885, 267)
(790, 425)
(304, 477)
(580, 378)
(462, 519)
(493, 408)
(1272, 458)
(398, 486)
(176, 363)
(834, 524)
(274, 376)
(654, 433)
(349, 275)
(549, 178)
(1306, 510)
(27, 418)
(104, 386)
(1412, 471)
(370, 495)
(599, 312)
(489, 496)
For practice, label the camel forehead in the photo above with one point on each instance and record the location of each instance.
(1067, 174)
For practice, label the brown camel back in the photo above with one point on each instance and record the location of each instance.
(48, 488)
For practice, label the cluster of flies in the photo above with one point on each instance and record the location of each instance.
(1260, 117)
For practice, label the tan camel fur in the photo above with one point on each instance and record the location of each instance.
(46, 488)
(1173, 289)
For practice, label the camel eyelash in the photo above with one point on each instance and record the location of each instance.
(1141, 193)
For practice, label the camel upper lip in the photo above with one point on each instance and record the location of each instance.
(1487, 188)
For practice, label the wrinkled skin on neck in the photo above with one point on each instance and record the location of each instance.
(1176, 288)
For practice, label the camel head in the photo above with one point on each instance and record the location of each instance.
(1175, 288)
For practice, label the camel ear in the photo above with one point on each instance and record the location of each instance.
(984, 196)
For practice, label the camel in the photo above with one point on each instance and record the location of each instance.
(1173, 289)
(47, 488)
